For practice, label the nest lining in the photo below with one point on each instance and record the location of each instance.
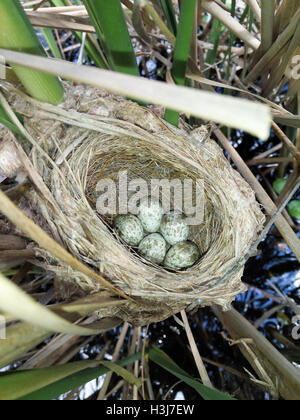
(95, 135)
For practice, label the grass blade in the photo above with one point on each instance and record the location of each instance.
(232, 24)
(90, 48)
(275, 107)
(267, 24)
(159, 22)
(256, 10)
(5, 120)
(182, 50)
(92, 51)
(169, 12)
(125, 374)
(164, 361)
(20, 338)
(276, 46)
(108, 19)
(279, 369)
(285, 13)
(290, 121)
(23, 337)
(278, 73)
(267, 32)
(19, 384)
(214, 38)
(18, 34)
(15, 302)
(74, 381)
(231, 42)
(49, 37)
(232, 112)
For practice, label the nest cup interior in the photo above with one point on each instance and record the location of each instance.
(103, 157)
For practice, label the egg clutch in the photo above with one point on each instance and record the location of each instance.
(160, 238)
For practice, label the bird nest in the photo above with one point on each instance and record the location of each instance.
(93, 136)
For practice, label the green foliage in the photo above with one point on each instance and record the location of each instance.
(182, 50)
(51, 382)
(82, 374)
(18, 34)
(90, 48)
(109, 21)
(214, 38)
(49, 37)
(169, 12)
(5, 120)
(163, 360)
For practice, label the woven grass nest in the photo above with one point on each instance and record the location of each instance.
(93, 136)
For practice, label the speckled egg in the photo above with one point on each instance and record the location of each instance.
(182, 255)
(129, 228)
(174, 228)
(153, 247)
(150, 214)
